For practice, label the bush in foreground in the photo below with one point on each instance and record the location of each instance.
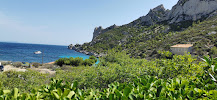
(148, 87)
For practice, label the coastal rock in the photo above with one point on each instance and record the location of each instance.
(70, 46)
(78, 48)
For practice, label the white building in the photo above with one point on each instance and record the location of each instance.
(181, 49)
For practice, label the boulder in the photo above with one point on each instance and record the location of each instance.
(70, 46)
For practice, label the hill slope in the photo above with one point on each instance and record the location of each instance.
(160, 29)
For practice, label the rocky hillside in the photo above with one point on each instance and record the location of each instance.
(189, 21)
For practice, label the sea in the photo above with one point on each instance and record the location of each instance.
(22, 52)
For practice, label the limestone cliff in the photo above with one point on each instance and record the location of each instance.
(191, 10)
(99, 30)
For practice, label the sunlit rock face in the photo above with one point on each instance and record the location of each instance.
(191, 10)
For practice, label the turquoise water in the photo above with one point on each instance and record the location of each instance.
(25, 52)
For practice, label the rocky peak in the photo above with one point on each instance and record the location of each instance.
(159, 8)
(99, 30)
(184, 10)
(155, 15)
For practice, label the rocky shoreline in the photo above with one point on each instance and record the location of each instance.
(78, 48)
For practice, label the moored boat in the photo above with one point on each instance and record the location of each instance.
(37, 52)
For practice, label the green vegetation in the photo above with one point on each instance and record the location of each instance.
(126, 75)
(76, 61)
(118, 76)
(25, 81)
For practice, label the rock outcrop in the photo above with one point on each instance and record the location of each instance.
(78, 48)
(191, 10)
(155, 15)
(99, 30)
(70, 46)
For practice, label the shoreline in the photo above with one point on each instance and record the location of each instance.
(79, 49)
(11, 62)
(50, 62)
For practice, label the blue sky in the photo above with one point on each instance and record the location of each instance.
(62, 22)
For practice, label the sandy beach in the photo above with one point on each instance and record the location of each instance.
(51, 62)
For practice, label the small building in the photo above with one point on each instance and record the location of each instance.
(181, 49)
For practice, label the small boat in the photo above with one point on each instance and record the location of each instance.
(37, 52)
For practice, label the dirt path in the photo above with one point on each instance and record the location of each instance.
(45, 71)
(10, 67)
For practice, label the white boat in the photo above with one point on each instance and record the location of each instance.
(37, 52)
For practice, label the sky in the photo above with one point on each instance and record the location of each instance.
(64, 22)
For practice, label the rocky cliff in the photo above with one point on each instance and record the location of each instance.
(99, 30)
(191, 10)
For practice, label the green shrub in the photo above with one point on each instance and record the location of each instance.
(36, 65)
(71, 59)
(77, 61)
(88, 62)
(165, 54)
(17, 64)
(213, 51)
(93, 58)
(60, 62)
(67, 61)
(114, 56)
